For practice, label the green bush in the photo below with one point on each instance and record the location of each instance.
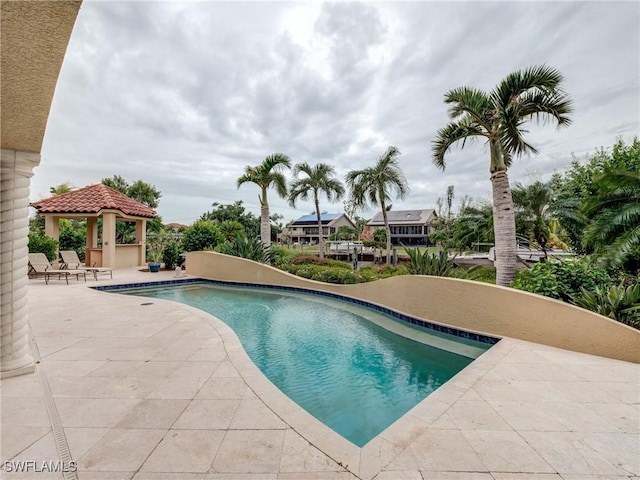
(39, 243)
(171, 254)
(73, 239)
(619, 302)
(425, 263)
(314, 260)
(202, 235)
(562, 279)
(368, 243)
(250, 248)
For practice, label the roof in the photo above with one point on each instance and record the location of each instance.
(93, 199)
(407, 217)
(313, 219)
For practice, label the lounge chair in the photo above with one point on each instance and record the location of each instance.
(70, 260)
(39, 266)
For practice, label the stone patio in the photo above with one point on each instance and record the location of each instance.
(164, 391)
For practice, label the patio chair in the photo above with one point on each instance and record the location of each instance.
(39, 266)
(70, 260)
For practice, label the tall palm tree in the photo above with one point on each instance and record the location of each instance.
(374, 186)
(499, 116)
(614, 230)
(266, 175)
(319, 179)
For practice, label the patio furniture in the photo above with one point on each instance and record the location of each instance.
(39, 266)
(70, 260)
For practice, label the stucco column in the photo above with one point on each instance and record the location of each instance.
(52, 230)
(109, 240)
(16, 168)
(92, 232)
(141, 240)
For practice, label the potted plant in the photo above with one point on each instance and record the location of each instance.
(153, 261)
(155, 247)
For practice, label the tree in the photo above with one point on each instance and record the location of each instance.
(319, 179)
(580, 182)
(614, 230)
(234, 212)
(140, 191)
(374, 186)
(61, 189)
(266, 175)
(499, 116)
(534, 206)
(202, 235)
(474, 225)
(231, 230)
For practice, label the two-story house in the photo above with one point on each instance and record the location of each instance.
(305, 229)
(408, 227)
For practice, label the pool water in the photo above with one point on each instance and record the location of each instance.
(333, 358)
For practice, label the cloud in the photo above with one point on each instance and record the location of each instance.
(184, 95)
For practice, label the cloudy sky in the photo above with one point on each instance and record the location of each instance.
(185, 95)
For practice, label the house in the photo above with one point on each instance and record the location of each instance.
(305, 229)
(408, 227)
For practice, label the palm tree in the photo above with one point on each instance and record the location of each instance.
(614, 231)
(499, 116)
(473, 226)
(319, 179)
(374, 186)
(265, 175)
(534, 206)
(61, 189)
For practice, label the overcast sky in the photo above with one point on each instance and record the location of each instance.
(185, 95)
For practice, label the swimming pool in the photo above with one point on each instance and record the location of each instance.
(355, 369)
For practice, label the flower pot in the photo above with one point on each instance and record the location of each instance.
(154, 267)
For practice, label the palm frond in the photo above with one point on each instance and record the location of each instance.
(454, 132)
(541, 77)
(470, 101)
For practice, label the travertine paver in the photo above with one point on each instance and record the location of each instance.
(163, 391)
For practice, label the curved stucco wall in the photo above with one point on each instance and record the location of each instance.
(463, 304)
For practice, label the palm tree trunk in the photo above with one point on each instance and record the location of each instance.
(504, 226)
(320, 246)
(387, 229)
(265, 224)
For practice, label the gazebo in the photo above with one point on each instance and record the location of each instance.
(94, 202)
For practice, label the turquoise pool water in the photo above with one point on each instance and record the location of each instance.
(338, 361)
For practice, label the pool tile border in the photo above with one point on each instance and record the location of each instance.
(486, 339)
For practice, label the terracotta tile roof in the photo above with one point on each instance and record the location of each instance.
(92, 199)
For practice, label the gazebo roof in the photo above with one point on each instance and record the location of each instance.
(93, 199)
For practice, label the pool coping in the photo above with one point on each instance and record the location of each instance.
(369, 460)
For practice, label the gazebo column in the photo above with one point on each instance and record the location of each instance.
(91, 241)
(16, 168)
(141, 240)
(109, 240)
(52, 230)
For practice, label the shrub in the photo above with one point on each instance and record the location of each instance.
(562, 279)
(368, 243)
(39, 243)
(171, 254)
(73, 239)
(202, 235)
(426, 263)
(250, 248)
(620, 302)
(380, 235)
(313, 260)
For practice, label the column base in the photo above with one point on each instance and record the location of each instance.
(31, 368)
